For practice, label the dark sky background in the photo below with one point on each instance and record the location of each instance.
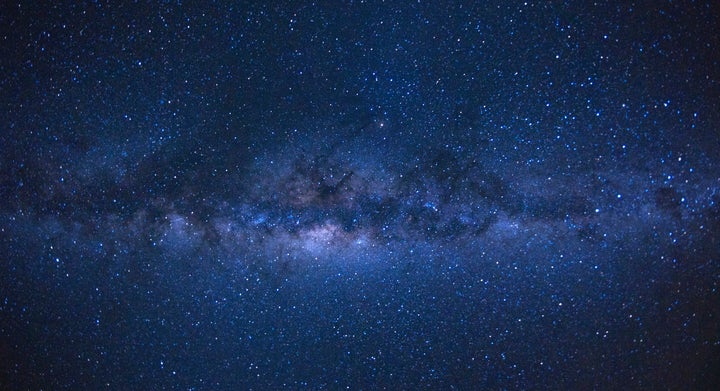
(362, 195)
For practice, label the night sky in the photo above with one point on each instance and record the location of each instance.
(361, 195)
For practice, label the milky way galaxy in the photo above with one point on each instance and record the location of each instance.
(365, 195)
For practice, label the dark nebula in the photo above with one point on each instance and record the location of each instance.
(362, 195)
